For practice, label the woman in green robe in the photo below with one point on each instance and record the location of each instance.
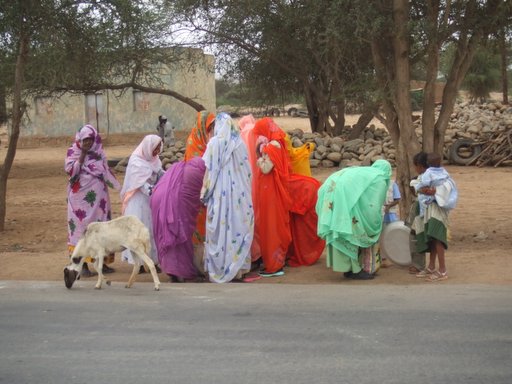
(349, 212)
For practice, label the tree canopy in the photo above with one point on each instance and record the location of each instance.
(49, 47)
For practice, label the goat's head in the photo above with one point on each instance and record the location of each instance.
(72, 270)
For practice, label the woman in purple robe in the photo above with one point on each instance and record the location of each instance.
(175, 204)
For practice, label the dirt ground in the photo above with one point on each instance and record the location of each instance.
(33, 245)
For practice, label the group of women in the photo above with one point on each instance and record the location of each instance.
(235, 194)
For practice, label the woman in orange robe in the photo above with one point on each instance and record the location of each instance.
(272, 197)
(195, 147)
(246, 125)
(306, 247)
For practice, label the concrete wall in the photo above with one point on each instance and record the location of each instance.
(129, 112)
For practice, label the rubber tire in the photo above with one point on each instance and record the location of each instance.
(275, 112)
(292, 112)
(467, 144)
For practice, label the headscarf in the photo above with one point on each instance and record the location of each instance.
(267, 129)
(95, 162)
(246, 125)
(198, 137)
(349, 207)
(141, 166)
(225, 141)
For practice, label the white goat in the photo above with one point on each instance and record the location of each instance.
(103, 238)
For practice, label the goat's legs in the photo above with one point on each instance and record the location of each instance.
(136, 267)
(141, 255)
(98, 265)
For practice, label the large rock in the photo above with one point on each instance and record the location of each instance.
(335, 157)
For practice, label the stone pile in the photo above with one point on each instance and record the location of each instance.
(471, 121)
(478, 122)
(171, 154)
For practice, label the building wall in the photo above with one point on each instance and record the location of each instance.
(130, 111)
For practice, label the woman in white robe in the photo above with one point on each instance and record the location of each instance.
(227, 195)
(142, 173)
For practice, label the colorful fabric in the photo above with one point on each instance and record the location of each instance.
(174, 206)
(141, 175)
(299, 157)
(306, 247)
(198, 137)
(141, 167)
(392, 195)
(227, 195)
(246, 125)
(370, 259)
(432, 225)
(196, 145)
(349, 209)
(417, 258)
(273, 199)
(446, 195)
(88, 199)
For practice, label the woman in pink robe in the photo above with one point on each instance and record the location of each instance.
(89, 180)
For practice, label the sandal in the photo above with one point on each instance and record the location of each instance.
(425, 273)
(437, 276)
(106, 269)
(413, 270)
(362, 275)
(271, 274)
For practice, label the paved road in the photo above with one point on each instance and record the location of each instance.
(243, 333)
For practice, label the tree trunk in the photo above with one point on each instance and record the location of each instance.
(339, 119)
(3, 104)
(17, 113)
(362, 122)
(408, 144)
(312, 110)
(318, 109)
(428, 118)
(503, 55)
(461, 63)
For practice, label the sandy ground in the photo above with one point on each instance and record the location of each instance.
(33, 246)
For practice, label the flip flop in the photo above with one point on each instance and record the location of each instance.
(250, 278)
(272, 274)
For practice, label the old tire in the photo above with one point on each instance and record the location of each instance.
(292, 112)
(464, 151)
(275, 112)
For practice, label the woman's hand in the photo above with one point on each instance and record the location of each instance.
(428, 191)
(86, 145)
